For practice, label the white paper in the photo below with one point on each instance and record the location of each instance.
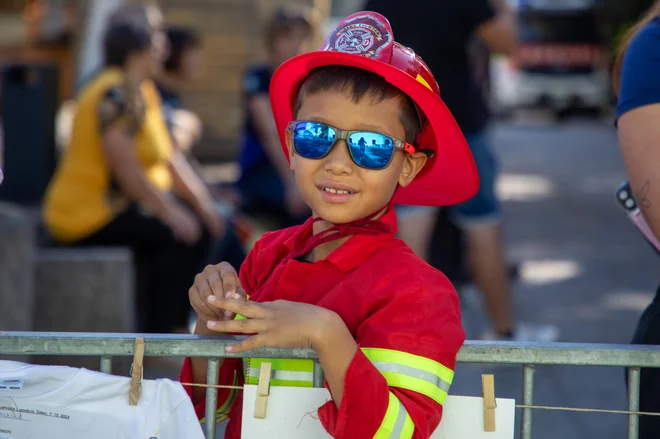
(291, 414)
(35, 421)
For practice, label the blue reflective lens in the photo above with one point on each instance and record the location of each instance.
(371, 150)
(313, 140)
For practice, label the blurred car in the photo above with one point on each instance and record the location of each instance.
(561, 62)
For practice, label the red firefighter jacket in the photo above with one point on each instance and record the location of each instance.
(403, 314)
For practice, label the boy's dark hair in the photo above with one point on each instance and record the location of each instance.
(180, 40)
(125, 37)
(359, 83)
(284, 21)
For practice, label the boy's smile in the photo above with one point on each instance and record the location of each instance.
(337, 193)
(338, 190)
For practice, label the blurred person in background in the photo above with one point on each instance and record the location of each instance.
(120, 181)
(636, 77)
(182, 66)
(441, 32)
(266, 183)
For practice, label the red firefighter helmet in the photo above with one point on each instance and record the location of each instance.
(364, 40)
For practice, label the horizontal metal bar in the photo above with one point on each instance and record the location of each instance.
(104, 344)
(569, 354)
(122, 344)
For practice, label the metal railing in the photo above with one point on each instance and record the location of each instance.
(529, 355)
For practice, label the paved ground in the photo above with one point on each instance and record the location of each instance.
(585, 268)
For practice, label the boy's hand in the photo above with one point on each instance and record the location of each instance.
(276, 324)
(219, 281)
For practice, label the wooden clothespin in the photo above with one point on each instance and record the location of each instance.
(488, 384)
(263, 390)
(137, 372)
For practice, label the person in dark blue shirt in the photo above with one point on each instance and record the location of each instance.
(255, 86)
(637, 80)
(266, 183)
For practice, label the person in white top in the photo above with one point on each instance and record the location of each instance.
(68, 403)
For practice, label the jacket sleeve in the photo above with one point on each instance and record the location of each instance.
(398, 381)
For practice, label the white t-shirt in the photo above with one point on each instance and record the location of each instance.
(67, 403)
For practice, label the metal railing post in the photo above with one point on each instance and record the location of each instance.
(528, 399)
(319, 376)
(211, 397)
(634, 375)
(106, 364)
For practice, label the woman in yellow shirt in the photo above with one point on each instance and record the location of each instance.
(120, 181)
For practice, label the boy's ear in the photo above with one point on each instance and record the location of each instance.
(289, 147)
(411, 166)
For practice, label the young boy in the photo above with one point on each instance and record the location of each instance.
(363, 127)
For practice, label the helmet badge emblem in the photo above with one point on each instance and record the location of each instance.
(363, 35)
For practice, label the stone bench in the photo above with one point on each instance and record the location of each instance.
(17, 250)
(17, 253)
(61, 289)
(83, 290)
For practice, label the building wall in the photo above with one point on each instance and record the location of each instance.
(232, 39)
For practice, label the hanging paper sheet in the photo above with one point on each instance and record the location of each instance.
(291, 414)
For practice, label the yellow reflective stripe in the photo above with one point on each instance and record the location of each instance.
(283, 376)
(412, 360)
(282, 383)
(412, 372)
(293, 373)
(397, 423)
(395, 379)
(408, 428)
(286, 372)
(389, 420)
(284, 364)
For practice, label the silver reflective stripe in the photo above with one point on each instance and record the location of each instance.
(285, 375)
(413, 372)
(400, 421)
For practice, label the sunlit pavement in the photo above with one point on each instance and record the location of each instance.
(584, 268)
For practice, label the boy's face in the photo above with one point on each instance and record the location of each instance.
(370, 189)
